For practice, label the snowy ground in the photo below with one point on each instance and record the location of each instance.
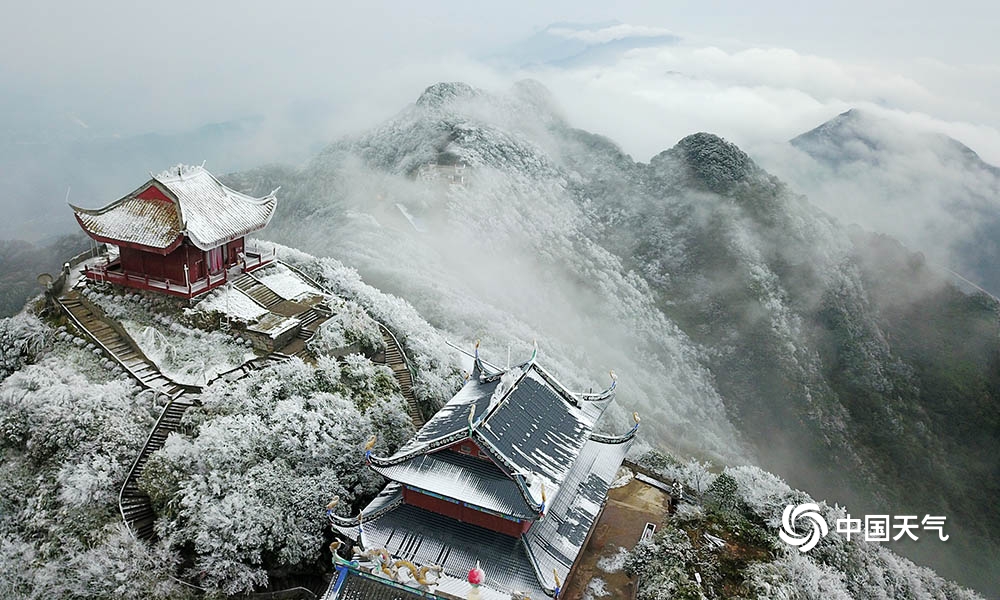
(286, 283)
(184, 354)
(596, 589)
(234, 303)
(187, 355)
(613, 563)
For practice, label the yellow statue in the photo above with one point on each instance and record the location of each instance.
(419, 575)
(380, 557)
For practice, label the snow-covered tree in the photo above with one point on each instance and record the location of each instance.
(66, 443)
(244, 491)
(22, 338)
(349, 326)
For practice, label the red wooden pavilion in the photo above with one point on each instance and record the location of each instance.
(181, 233)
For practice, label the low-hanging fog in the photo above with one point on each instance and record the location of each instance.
(88, 87)
(744, 323)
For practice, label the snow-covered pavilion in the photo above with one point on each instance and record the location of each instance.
(509, 475)
(181, 233)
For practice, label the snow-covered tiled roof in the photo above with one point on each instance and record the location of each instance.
(199, 206)
(524, 564)
(212, 213)
(449, 424)
(427, 538)
(554, 542)
(538, 430)
(151, 223)
(358, 586)
(470, 479)
(524, 420)
(454, 414)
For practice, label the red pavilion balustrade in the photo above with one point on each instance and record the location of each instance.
(113, 273)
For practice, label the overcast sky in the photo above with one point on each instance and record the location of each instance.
(123, 67)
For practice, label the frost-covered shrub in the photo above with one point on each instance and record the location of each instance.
(367, 381)
(693, 474)
(844, 570)
(115, 306)
(185, 354)
(119, 566)
(22, 339)
(765, 494)
(666, 563)
(743, 506)
(65, 446)
(438, 373)
(795, 577)
(246, 489)
(122, 566)
(722, 494)
(51, 414)
(350, 325)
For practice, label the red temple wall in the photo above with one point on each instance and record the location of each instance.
(195, 260)
(169, 266)
(153, 193)
(132, 260)
(464, 514)
(469, 447)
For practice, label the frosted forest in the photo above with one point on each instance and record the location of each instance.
(754, 332)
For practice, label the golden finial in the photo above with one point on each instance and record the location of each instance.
(556, 575)
(333, 503)
(635, 417)
(543, 492)
(371, 442)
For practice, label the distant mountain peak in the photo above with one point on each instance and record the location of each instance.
(443, 93)
(866, 136)
(713, 162)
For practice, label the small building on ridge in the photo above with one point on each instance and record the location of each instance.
(180, 233)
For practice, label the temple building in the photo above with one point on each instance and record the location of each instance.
(181, 233)
(496, 495)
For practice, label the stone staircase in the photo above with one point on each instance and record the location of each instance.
(393, 356)
(118, 345)
(310, 321)
(250, 366)
(313, 318)
(135, 506)
(260, 293)
(395, 360)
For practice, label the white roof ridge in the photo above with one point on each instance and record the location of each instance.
(189, 172)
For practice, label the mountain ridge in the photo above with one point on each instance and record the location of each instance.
(925, 188)
(751, 328)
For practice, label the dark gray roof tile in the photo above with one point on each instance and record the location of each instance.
(469, 479)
